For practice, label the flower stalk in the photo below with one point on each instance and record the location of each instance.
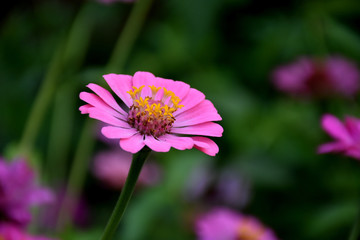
(126, 193)
(66, 60)
(356, 228)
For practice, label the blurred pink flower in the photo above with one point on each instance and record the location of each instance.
(112, 168)
(314, 77)
(346, 135)
(224, 224)
(161, 113)
(12, 232)
(217, 187)
(19, 191)
(76, 206)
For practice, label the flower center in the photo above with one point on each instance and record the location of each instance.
(152, 110)
(248, 231)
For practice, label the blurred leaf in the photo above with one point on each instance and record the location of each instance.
(342, 39)
(332, 218)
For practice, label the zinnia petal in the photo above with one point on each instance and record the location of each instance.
(118, 132)
(143, 78)
(132, 144)
(203, 112)
(84, 109)
(107, 118)
(178, 142)
(120, 84)
(353, 126)
(206, 129)
(97, 102)
(331, 147)
(180, 89)
(206, 145)
(353, 152)
(193, 98)
(157, 145)
(335, 128)
(106, 96)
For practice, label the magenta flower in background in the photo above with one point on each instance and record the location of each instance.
(160, 113)
(225, 224)
(112, 168)
(76, 206)
(315, 77)
(346, 136)
(217, 187)
(13, 232)
(19, 191)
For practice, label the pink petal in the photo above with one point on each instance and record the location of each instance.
(206, 129)
(41, 196)
(159, 95)
(19, 214)
(98, 103)
(193, 98)
(157, 145)
(143, 78)
(177, 142)
(146, 92)
(118, 132)
(206, 145)
(132, 144)
(120, 84)
(353, 126)
(84, 109)
(203, 112)
(353, 152)
(335, 128)
(106, 118)
(179, 88)
(106, 96)
(331, 147)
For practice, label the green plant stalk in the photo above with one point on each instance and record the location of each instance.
(66, 59)
(128, 36)
(41, 103)
(77, 175)
(356, 228)
(125, 195)
(116, 63)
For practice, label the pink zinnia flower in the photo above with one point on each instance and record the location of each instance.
(159, 113)
(315, 77)
(224, 224)
(19, 191)
(112, 167)
(12, 232)
(346, 135)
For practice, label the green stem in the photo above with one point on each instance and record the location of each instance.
(125, 195)
(356, 228)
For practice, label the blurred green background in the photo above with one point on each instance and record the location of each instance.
(226, 49)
